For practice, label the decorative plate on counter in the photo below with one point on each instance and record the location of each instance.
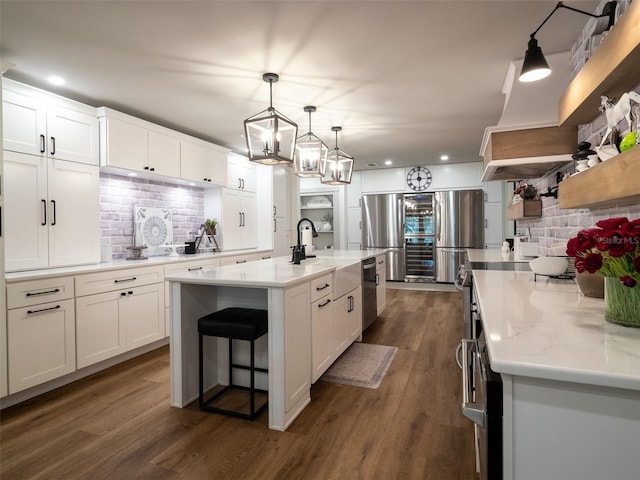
(153, 227)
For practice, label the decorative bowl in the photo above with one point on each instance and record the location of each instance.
(551, 266)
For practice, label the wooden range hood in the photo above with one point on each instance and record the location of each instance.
(512, 153)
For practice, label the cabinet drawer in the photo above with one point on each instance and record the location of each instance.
(92, 283)
(33, 292)
(184, 267)
(321, 286)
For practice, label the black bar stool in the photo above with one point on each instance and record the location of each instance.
(234, 323)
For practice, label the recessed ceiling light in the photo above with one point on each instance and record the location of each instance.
(388, 162)
(56, 80)
(444, 157)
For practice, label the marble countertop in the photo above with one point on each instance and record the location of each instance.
(119, 265)
(493, 255)
(276, 272)
(548, 329)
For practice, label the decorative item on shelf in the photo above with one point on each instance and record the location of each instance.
(612, 248)
(270, 136)
(583, 156)
(311, 152)
(524, 192)
(208, 233)
(535, 66)
(615, 113)
(327, 222)
(136, 252)
(210, 226)
(339, 165)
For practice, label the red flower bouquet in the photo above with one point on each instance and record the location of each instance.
(612, 248)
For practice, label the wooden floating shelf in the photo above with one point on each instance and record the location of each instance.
(524, 209)
(613, 69)
(609, 183)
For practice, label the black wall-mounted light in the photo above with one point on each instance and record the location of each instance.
(535, 66)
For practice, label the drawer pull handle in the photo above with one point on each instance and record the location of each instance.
(320, 305)
(194, 268)
(48, 292)
(31, 312)
(241, 261)
(125, 280)
(326, 285)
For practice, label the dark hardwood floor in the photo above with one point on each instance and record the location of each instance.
(118, 424)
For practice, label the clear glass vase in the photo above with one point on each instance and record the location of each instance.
(621, 303)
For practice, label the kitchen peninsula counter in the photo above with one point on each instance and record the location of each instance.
(571, 380)
(276, 285)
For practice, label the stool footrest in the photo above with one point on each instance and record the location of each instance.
(206, 405)
(247, 367)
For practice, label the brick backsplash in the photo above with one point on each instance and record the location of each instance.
(558, 225)
(119, 194)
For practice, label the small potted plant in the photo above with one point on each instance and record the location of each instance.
(327, 222)
(210, 226)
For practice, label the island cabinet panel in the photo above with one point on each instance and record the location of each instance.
(297, 340)
(322, 352)
(354, 315)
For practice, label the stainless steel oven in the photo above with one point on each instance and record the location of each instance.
(482, 404)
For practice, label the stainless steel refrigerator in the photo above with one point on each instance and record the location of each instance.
(383, 227)
(459, 225)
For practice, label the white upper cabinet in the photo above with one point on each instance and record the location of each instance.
(164, 154)
(52, 214)
(203, 162)
(241, 173)
(129, 143)
(39, 123)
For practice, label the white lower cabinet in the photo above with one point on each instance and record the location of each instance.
(297, 326)
(354, 315)
(40, 332)
(118, 311)
(143, 312)
(322, 351)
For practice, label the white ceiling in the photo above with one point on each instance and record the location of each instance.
(407, 80)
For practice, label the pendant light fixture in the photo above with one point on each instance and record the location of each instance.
(271, 137)
(339, 165)
(311, 152)
(535, 66)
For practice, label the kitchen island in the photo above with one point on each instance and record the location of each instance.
(286, 291)
(571, 380)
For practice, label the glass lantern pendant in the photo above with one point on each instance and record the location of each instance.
(311, 152)
(271, 137)
(339, 165)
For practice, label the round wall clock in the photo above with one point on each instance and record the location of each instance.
(419, 178)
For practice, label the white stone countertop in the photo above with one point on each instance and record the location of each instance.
(492, 255)
(548, 329)
(277, 272)
(121, 264)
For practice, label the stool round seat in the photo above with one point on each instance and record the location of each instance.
(235, 322)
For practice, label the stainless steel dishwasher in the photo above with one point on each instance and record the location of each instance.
(369, 299)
